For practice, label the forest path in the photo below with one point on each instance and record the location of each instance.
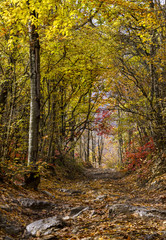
(100, 205)
(87, 203)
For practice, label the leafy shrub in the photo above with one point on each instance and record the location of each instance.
(140, 156)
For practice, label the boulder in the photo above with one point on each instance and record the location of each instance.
(35, 204)
(136, 211)
(45, 226)
(156, 213)
(121, 208)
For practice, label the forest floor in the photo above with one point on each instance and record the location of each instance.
(94, 194)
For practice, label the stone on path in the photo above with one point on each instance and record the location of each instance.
(126, 209)
(45, 226)
(35, 204)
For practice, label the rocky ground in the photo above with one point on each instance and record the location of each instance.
(102, 204)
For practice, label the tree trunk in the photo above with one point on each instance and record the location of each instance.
(88, 143)
(120, 139)
(35, 95)
(100, 149)
(72, 143)
(93, 136)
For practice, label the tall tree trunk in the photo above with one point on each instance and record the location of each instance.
(120, 139)
(5, 126)
(88, 144)
(85, 147)
(51, 148)
(80, 148)
(100, 149)
(35, 94)
(88, 129)
(93, 137)
(72, 143)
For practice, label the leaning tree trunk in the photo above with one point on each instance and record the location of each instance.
(35, 95)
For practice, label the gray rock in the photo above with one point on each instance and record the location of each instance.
(45, 226)
(75, 212)
(137, 211)
(143, 212)
(35, 204)
(48, 193)
(64, 190)
(71, 191)
(120, 208)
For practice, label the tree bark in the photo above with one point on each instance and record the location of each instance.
(100, 149)
(93, 137)
(35, 95)
(120, 139)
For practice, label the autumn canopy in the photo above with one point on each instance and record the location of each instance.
(75, 75)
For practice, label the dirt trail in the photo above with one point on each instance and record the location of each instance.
(98, 173)
(103, 189)
(95, 195)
